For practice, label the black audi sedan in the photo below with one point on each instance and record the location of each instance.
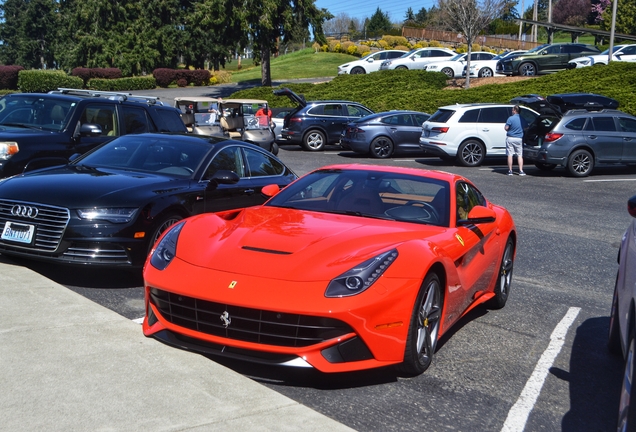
(109, 206)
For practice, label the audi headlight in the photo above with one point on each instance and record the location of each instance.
(8, 149)
(362, 276)
(166, 249)
(114, 215)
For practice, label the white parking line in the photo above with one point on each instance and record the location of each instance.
(518, 414)
(139, 320)
(609, 180)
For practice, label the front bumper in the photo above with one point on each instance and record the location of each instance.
(266, 321)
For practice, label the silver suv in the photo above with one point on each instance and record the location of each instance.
(469, 132)
(581, 139)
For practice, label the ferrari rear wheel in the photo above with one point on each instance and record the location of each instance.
(504, 280)
(424, 327)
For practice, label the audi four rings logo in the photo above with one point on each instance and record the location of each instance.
(24, 211)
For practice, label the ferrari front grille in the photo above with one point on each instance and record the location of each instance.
(50, 223)
(246, 324)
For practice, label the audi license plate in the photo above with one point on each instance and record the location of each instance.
(18, 232)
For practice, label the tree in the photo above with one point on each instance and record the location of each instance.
(379, 23)
(571, 12)
(625, 18)
(28, 32)
(421, 16)
(409, 16)
(337, 25)
(469, 18)
(267, 21)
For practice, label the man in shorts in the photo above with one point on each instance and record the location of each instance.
(514, 139)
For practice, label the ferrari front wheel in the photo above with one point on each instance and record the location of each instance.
(424, 327)
(504, 280)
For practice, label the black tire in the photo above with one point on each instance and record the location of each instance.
(614, 336)
(580, 163)
(545, 166)
(163, 224)
(471, 153)
(401, 67)
(504, 280)
(381, 148)
(357, 71)
(314, 140)
(627, 414)
(485, 73)
(448, 72)
(527, 69)
(423, 332)
(274, 149)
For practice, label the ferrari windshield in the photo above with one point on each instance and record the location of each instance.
(369, 193)
(35, 112)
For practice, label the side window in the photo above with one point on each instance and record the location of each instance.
(470, 116)
(357, 111)
(102, 115)
(627, 124)
(316, 110)
(170, 121)
(423, 54)
(394, 54)
(576, 124)
(382, 55)
(467, 197)
(494, 115)
(135, 120)
(630, 50)
(260, 164)
(527, 116)
(332, 110)
(419, 119)
(227, 159)
(604, 124)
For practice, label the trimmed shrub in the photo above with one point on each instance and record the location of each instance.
(199, 77)
(401, 47)
(87, 73)
(182, 82)
(122, 84)
(164, 77)
(9, 77)
(42, 81)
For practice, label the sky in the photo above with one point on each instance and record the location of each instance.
(396, 9)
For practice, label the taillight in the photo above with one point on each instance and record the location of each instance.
(552, 137)
(440, 129)
(295, 119)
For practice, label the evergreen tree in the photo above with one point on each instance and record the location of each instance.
(379, 23)
(421, 16)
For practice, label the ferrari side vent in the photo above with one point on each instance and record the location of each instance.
(246, 324)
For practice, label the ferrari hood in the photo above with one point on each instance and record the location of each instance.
(291, 244)
(76, 186)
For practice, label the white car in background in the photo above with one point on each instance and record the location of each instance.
(369, 63)
(622, 328)
(621, 53)
(487, 68)
(418, 58)
(454, 67)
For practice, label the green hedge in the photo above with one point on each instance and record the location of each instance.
(42, 81)
(425, 91)
(122, 84)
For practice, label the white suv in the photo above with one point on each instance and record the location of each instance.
(621, 53)
(417, 58)
(622, 327)
(469, 132)
(369, 63)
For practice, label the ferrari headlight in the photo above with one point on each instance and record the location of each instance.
(362, 276)
(114, 215)
(166, 249)
(8, 149)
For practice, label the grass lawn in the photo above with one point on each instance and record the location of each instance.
(300, 64)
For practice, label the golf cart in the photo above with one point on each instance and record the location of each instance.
(230, 118)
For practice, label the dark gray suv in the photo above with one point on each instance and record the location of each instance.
(581, 139)
(315, 124)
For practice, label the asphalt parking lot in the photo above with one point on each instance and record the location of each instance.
(553, 328)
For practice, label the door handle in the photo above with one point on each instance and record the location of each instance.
(249, 191)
